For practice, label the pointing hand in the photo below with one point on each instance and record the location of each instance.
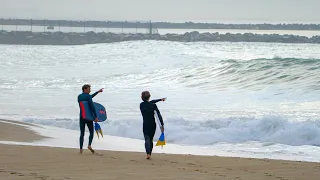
(101, 90)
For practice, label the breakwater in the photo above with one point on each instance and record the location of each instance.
(62, 38)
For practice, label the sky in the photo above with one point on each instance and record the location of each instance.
(229, 11)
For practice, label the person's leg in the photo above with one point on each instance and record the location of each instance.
(82, 126)
(90, 127)
(147, 144)
(151, 140)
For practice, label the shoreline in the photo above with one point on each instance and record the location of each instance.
(9, 131)
(33, 162)
(72, 38)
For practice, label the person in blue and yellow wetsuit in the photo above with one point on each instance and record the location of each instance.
(85, 96)
(147, 109)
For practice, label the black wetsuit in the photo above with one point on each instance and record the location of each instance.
(149, 123)
(83, 122)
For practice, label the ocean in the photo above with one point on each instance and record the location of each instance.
(251, 99)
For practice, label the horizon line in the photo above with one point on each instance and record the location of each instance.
(225, 22)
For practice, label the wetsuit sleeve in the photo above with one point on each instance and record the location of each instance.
(92, 106)
(159, 115)
(94, 94)
(155, 101)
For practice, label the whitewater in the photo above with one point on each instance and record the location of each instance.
(236, 99)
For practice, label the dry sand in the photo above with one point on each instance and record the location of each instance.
(19, 162)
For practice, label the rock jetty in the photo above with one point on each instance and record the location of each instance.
(64, 38)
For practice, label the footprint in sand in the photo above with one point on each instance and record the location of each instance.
(43, 177)
(281, 178)
(98, 154)
(191, 164)
(30, 174)
(201, 171)
(267, 174)
(220, 175)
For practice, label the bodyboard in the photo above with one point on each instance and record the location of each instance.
(87, 113)
(161, 141)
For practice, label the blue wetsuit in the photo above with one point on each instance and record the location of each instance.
(83, 122)
(149, 123)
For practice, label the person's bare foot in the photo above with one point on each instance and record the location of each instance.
(148, 156)
(94, 152)
(90, 148)
(81, 151)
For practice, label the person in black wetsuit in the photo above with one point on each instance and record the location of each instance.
(147, 109)
(85, 96)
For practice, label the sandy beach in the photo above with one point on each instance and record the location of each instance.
(48, 163)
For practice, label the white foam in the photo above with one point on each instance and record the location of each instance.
(67, 138)
(268, 129)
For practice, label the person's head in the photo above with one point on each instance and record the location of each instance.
(86, 88)
(145, 96)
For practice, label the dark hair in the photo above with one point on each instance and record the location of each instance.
(145, 95)
(86, 86)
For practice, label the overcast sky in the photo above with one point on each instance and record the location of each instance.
(165, 10)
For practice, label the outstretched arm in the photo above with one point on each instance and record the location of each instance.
(157, 100)
(94, 94)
